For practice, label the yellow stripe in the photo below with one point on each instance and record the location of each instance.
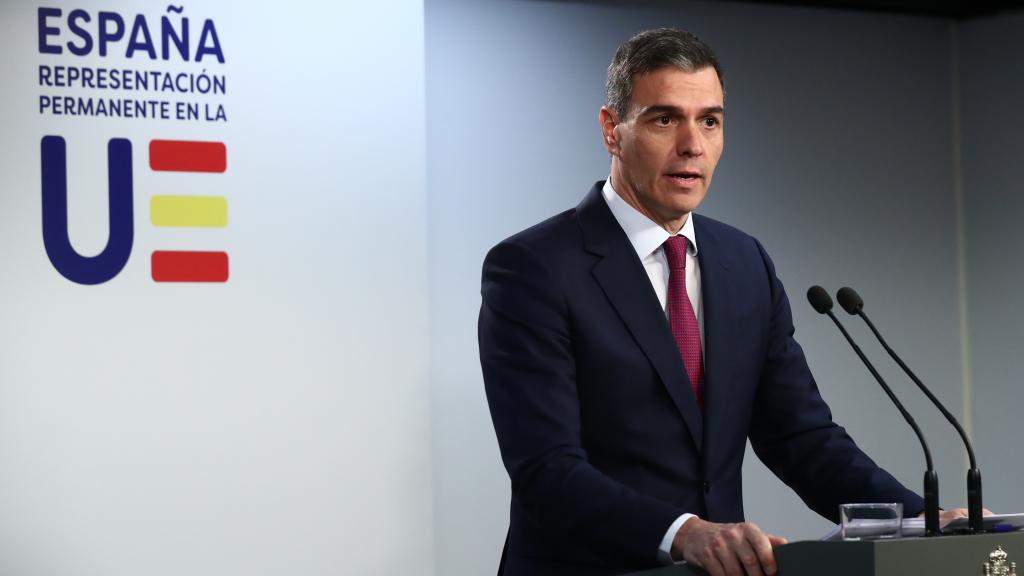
(189, 211)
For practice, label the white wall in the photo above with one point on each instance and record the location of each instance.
(838, 157)
(275, 424)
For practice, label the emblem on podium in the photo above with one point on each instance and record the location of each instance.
(997, 564)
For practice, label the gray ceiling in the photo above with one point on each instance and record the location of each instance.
(944, 8)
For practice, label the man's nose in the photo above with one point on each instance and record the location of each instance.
(689, 141)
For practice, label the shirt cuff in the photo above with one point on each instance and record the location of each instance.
(665, 550)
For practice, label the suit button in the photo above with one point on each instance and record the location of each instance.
(707, 487)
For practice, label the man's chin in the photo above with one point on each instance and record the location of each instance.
(683, 197)
(685, 205)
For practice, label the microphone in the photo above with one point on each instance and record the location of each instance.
(822, 303)
(854, 305)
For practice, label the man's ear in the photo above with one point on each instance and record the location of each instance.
(609, 119)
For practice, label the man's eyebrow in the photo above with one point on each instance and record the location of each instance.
(657, 109)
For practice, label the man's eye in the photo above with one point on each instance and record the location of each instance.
(710, 122)
(663, 120)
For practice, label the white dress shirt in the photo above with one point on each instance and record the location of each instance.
(647, 239)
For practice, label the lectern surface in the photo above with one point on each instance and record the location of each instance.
(939, 556)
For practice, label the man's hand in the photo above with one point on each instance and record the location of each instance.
(726, 549)
(945, 516)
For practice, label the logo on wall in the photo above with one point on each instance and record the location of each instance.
(153, 95)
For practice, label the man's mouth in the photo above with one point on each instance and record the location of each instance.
(685, 175)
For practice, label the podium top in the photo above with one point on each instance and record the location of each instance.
(958, 555)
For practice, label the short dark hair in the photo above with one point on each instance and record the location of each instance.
(653, 50)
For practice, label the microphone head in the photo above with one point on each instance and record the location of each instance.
(819, 299)
(850, 300)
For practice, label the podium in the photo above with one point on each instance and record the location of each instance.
(960, 555)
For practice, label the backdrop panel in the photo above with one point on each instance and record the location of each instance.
(220, 367)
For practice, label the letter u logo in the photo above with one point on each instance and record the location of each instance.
(72, 265)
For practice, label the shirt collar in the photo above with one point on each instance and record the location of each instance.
(643, 233)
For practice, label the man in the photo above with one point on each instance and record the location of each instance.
(630, 348)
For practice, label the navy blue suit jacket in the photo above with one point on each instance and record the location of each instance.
(598, 427)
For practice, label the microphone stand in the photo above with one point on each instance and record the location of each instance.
(931, 479)
(852, 303)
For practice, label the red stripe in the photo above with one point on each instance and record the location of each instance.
(176, 266)
(187, 156)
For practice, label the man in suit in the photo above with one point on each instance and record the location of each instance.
(630, 347)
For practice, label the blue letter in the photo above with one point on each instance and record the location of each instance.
(82, 33)
(45, 31)
(133, 42)
(106, 36)
(108, 263)
(211, 32)
(167, 36)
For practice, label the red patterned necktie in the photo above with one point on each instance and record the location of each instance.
(681, 318)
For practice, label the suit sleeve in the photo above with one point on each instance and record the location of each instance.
(526, 352)
(792, 430)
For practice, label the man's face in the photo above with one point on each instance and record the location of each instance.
(664, 152)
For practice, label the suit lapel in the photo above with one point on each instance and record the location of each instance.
(624, 281)
(717, 291)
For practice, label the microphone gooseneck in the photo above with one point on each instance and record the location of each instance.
(854, 305)
(823, 305)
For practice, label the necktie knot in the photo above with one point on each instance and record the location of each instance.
(675, 252)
